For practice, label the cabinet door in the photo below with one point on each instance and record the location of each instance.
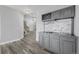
(41, 41)
(67, 44)
(64, 13)
(46, 40)
(69, 12)
(46, 17)
(55, 15)
(54, 43)
(67, 47)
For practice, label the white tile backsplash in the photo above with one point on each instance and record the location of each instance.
(63, 25)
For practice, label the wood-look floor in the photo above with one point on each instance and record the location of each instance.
(27, 45)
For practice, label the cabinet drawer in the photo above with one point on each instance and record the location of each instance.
(67, 37)
(46, 35)
(54, 36)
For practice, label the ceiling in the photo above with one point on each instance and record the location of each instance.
(34, 9)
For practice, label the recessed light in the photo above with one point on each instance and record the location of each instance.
(27, 11)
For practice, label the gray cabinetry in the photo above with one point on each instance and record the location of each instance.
(58, 43)
(59, 14)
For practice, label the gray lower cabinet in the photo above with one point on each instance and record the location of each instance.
(46, 40)
(58, 43)
(67, 47)
(67, 44)
(54, 46)
(41, 41)
(54, 43)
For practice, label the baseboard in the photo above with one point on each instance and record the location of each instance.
(10, 41)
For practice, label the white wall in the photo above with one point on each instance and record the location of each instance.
(11, 24)
(76, 25)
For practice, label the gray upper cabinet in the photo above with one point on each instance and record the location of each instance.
(46, 17)
(56, 15)
(59, 14)
(69, 12)
(64, 13)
